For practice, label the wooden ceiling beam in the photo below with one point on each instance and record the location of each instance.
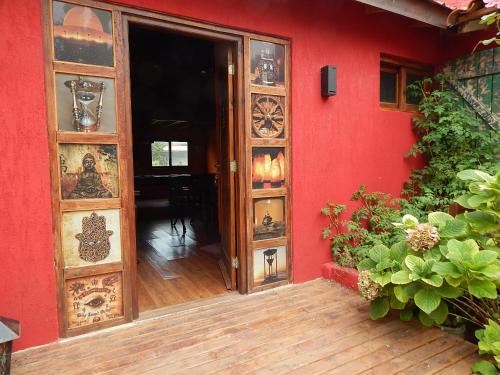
(420, 10)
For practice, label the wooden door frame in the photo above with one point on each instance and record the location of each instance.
(239, 134)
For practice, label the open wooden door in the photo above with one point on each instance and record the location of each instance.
(224, 87)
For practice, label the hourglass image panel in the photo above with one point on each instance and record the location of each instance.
(94, 299)
(269, 265)
(268, 218)
(85, 104)
(82, 34)
(88, 171)
(268, 116)
(91, 237)
(268, 167)
(267, 64)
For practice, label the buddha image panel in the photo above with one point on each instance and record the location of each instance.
(267, 64)
(94, 299)
(268, 218)
(82, 34)
(88, 171)
(91, 237)
(85, 104)
(268, 167)
(269, 265)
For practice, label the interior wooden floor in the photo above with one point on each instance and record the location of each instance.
(313, 328)
(173, 268)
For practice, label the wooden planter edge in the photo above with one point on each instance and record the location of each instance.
(347, 277)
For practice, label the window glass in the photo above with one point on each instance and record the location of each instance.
(413, 96)
(179, 154)
(160, 154)
(388, 87)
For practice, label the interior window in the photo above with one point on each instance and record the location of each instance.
(388, 86)
(169, 154)
(413, 97)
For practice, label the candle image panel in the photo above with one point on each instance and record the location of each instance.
(267, 64)
(269, 265)
(88, 171)
(268, 167)
(268, 116)
(94, 299)
(91, 237)
(268, 218)
(82, 34)
(85, 104)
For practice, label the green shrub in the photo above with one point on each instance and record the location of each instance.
(451, 139)
(448, 266)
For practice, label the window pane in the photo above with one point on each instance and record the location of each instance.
(413, 96)
(179, 154)
(388, 87)
(159, 154)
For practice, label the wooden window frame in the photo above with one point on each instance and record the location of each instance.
(402, 67)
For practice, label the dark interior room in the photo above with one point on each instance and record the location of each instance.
(175, 152)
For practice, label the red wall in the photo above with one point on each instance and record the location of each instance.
(338, 143)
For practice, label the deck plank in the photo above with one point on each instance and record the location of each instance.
(312, 328)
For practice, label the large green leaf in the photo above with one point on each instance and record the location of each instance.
(484, 368)
(481, 221)
(378, 253)
(399, 251)
(454, 281)
(406, 314)
(379, 308)
(427, 300)
(441, 313)
(400, 277)
(366, 264)
(492, 271)
(433, 253)
(446, 269)
(425, 319)
(483, 258)
(448, 291)
(414, 263)
(400, 293)
(463, 200)
(434, 280)
(397, 304)
(454, 228)
(482, 288)
(439, 218)
(382, 279)
(470, 175)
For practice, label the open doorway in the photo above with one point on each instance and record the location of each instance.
(182, 130)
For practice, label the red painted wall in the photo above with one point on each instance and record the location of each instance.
(338, 143)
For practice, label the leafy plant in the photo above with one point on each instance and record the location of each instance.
(451, 140)
(489, 343)
(490, 19)
(370, 224)
(447, 267)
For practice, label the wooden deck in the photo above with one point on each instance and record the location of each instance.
(313, 328)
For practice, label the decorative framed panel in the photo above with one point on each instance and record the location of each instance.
(268, 167)
(91, 237)
(85, 104)
(268, 116)
(88, 171)
(269, 265)
(267, 66)
(94, 299)
(269, 220)
(82, 34)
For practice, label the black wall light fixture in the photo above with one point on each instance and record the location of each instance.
(328, 80)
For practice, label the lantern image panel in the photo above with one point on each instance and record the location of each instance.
(268, 167)
(82, 34)
(268, 116)
(85, 104)
(269, 218)
(91, 237)
(269, 265)
(267, 63)
(88, 171)
(94, 299)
